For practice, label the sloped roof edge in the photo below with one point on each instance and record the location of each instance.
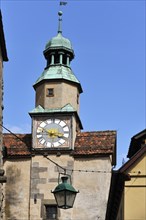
(2, 40)
(136, 143)
(133, 159)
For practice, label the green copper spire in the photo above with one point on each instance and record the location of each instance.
(59, 54)
(60, 22)
(59, 42)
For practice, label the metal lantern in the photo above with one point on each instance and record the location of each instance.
(65, 194)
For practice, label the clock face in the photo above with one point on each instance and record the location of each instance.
(52, 133)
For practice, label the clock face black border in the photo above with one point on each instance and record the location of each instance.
(52, 132)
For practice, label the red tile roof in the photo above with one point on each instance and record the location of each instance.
(86, 144)
(17, 146)
(102, 140)
(97, 142)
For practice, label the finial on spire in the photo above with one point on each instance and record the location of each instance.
(60, 22)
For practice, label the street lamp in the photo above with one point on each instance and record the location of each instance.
(65, 194)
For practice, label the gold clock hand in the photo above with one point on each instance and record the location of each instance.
(55, 133)
(52, 132)
(59, 134)
(44, 131)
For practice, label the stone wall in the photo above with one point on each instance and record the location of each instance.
(64, 93)
(44, 179)
(17, 190)
(31, 181)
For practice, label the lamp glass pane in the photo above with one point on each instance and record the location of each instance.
(60, 198)
(70, 197)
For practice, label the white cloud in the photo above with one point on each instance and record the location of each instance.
(25, 128)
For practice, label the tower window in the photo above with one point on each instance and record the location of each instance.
(64, 60)
(50, 92)
(57, 59)
(48, 61)
(51, 212)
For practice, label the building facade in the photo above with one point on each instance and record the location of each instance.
(3, 58)
(127, 198)
(34, 163)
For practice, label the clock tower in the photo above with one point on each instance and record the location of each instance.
(55, 119)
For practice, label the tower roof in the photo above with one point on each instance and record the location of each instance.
(59, 42)
(59, 53)
(59, 73)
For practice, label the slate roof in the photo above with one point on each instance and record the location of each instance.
(87, 144)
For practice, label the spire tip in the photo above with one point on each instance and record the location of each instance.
(60, 22)
(60, 13)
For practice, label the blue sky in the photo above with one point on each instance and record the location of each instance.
(108, 38)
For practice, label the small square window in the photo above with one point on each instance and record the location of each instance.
(51, 212)
(50, 92)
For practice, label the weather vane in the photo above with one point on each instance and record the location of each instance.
(63, 3)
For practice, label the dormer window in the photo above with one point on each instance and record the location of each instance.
(50, 92)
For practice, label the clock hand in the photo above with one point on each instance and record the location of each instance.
(59, 134)
(52, 133)
(55, 133)
(46, 130)
(42, 131)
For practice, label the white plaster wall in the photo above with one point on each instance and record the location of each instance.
(91, 202)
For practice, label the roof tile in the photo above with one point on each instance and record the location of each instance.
(96, 142)
(87, 143)
(17, 146)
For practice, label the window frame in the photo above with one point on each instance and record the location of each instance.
(49, 215)
(50, 92)
(44, 204)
